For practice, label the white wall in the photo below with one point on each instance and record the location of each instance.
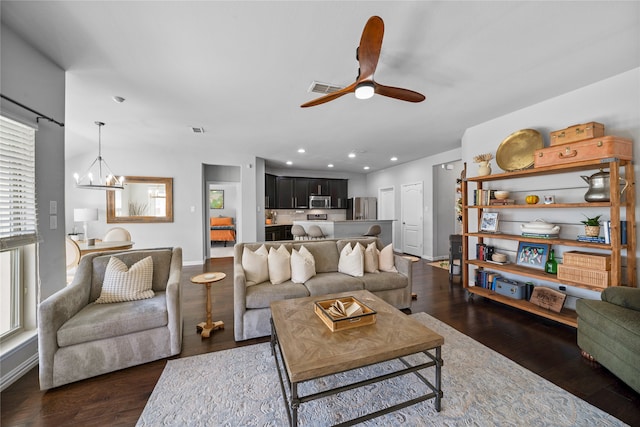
(420, 170)
(615, 102)
(189, 185)
(30, 78)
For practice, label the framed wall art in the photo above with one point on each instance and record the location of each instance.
(216, 199)
(489, 222)
(533, 255)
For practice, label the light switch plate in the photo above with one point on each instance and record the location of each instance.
(53, 207)
(53, 222)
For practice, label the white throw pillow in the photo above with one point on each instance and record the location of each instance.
(279, 262)
(386, 259)
(255, 265)
(126, 284)
(352, 261)
(371, 258)
(303, 265)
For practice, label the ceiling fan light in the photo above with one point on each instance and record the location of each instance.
(365, 90)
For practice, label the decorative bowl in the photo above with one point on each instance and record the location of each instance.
(501, 195)
(499, 257)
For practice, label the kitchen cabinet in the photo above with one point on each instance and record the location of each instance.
(318, 187)
(284, 192)
(278, 232)
(270, 201)
(618, 210)
(338, 190)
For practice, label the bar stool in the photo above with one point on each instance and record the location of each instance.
(298, 232)
(373, 231)
(315, 232)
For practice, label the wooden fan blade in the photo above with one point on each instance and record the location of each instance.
(330, 97)
(369, 49)
(399, 93)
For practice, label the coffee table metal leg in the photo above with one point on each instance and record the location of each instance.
(438, 378)
(295, 403)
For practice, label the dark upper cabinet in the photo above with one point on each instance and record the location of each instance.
(301, 193)
(270, 201)
(338, 190)
(319, 187)
(284, 192)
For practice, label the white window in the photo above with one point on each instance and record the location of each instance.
(18, 222)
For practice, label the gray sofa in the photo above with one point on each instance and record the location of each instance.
(609, 332)
(78, 339)
(251, 303)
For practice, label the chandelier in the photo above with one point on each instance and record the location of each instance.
(99, 176)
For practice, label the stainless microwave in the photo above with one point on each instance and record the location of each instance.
(320, 202)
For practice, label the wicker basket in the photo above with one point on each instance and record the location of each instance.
(584, 276)
(587, 260)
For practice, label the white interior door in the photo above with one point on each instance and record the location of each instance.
(412, 206)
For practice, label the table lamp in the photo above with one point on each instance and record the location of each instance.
(85, 215)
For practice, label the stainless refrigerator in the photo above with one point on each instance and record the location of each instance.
(362, 208)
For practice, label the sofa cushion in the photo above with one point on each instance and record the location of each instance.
(126, 284)
(371, 258)
(279, 262)
(255, 265)
(386, 259)
(384, 281)
(325, 253)
(100, 321)
(303, 265)
(330, 283)
(161, 266)
(351, 261)
(263, 294)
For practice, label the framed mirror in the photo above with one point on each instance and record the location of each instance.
(143, 199)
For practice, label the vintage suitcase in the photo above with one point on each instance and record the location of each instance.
(577, 133)
(591, 149)
(510, 288)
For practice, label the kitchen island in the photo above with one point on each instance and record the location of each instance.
(351, 228)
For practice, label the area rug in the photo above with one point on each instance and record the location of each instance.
(240, 387)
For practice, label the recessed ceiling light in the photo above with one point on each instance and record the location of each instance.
(366, 168)
(352, 155)
(118, 99)
(289, 162)
(394, 159)
(330, 165)
(301, 150)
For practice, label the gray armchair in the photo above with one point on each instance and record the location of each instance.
(78, 339)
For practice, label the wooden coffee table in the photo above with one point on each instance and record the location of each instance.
(393, 336)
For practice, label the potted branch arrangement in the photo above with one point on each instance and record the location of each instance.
(592, 226)
(484, 167)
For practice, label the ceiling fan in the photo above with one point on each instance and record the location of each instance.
(367, 55)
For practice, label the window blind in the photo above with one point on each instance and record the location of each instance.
(18, 220)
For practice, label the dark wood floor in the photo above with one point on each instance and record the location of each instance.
(117, 399)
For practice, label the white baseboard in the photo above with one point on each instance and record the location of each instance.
(14, 375)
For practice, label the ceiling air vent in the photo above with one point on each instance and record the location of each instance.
(325, 88)
(197, 130)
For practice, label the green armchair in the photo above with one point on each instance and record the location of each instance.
(609, 332)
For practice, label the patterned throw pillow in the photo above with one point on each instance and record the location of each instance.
(127, 284)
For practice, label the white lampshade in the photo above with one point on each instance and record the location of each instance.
(85, 214)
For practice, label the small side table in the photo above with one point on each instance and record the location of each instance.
(207, 279)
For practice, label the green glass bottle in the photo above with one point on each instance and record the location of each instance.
(551, 266)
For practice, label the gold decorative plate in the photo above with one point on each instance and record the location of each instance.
(516, 152)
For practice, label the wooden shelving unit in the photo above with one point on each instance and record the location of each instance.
(615, 206)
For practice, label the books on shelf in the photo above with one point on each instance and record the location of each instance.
(540, 235)
(606, 226)
(483, 197)
(501, 202)
(598, 239)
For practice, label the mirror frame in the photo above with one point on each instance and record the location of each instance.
(111, 201)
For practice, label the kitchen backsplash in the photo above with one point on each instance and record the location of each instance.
(287, 216)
